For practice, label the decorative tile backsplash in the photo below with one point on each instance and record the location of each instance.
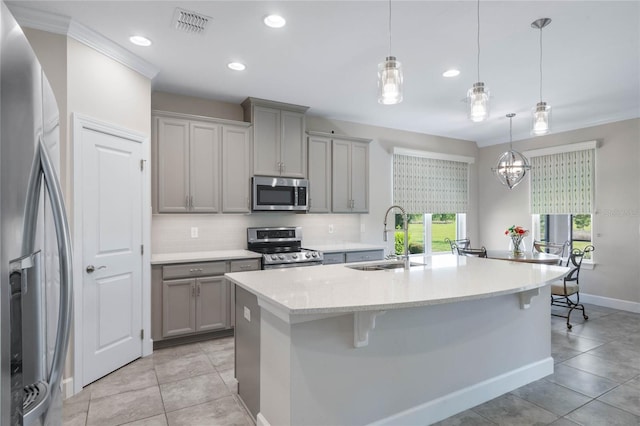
(171, 233)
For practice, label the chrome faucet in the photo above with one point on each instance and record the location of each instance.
(405, 229)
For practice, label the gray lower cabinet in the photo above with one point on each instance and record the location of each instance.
(333, 258)
(192, 298)
(191, 305)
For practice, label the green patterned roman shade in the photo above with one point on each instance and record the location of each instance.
(430, 185)
(563, 182)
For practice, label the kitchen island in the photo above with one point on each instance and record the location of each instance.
(345, 346)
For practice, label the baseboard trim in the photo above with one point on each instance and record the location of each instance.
(261, 421)
(608, 302)
(67, 388)
(456, 402)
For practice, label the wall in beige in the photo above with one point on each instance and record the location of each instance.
(195, 106)
(107, 90)
(51, 50)
(616, 222)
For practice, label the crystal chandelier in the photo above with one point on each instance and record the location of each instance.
(512, 166)
(390, 76)
(478, 95)
(541, 113)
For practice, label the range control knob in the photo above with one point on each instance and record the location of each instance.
(307, 255)
(274, 257)
(281, 257)
(314, 254)
(294, 256)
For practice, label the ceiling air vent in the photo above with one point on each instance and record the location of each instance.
(190, 22)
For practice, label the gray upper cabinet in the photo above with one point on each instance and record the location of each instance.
(319, 168)
(350, 175)
(203, 164)
(172, 153)
(236, 169)
(279, 145)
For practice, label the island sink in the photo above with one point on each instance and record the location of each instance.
(381, 266)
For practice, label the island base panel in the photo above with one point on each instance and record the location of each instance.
(247, 349)
(421, 365)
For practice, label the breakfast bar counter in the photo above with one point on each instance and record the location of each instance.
(340, 345)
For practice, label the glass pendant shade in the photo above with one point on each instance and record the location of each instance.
(390, 81)
(541, 119)
(511, 168)
(478, 102)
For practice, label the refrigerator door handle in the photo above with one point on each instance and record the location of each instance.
(43, 168)
(66, 270)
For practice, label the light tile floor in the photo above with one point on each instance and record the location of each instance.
(596, 382)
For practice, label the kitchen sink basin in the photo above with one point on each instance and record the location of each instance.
(381, 266)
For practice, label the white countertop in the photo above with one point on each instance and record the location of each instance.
(342, 247)
(202, 256)
(445, 279)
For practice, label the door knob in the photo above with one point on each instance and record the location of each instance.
(91, 268)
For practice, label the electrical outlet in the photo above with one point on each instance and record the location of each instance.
(247, 314)
(194, 232)
(331, 229)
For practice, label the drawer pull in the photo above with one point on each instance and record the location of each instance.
(195, 270)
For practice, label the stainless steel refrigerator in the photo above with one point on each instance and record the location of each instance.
(35, 251)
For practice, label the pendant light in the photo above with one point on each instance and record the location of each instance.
(541, 113)
(512, 166)
(478, 95)
(390, 76)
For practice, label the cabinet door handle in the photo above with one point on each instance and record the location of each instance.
(193, 290)
(198, 290)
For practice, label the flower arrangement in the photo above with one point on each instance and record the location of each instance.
(516, 233)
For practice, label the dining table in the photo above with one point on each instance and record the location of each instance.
(525, 256)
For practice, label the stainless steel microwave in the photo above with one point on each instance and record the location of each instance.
(279, 194)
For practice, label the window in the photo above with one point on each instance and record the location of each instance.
(565, 227)
(435, 183)
(432, 229)
(562, 193)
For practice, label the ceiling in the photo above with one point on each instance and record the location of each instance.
(326, 57)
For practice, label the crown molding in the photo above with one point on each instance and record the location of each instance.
(64, 25)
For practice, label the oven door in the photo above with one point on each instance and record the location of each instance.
(277, 194)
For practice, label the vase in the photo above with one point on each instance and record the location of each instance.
(516, 241)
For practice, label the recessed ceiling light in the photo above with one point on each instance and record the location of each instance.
(275, 21)
(140, 41)
(451, 73)
(236, 66)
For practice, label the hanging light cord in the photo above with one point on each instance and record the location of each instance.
(540, 64)
(478, 38)
(510, 133)
(389, 27)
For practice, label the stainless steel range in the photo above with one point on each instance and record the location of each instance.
(281, 247)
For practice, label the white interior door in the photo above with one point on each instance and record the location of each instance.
(112, 182)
